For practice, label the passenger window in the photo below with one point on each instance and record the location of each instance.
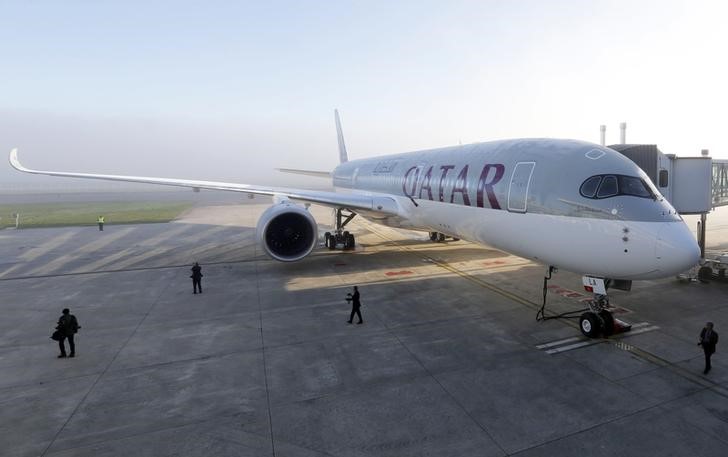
(608, 187)
(663, 178)
(589, 187)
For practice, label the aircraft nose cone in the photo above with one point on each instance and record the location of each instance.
(676, 248)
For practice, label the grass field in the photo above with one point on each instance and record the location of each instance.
(34, 215)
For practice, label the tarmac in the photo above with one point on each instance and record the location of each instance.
(450, 360)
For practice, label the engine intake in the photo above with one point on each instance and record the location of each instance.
(287, 232)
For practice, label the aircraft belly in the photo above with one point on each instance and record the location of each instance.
(612, 249)
(599, 247)
(389, 221)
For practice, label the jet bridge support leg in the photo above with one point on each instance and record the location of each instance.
(701, 234)
(341, 236)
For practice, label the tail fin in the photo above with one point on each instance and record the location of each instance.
(343, 157)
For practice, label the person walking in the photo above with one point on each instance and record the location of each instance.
(708, 340)
(355, 305)
(68, 327)
(100, 221)
(196, 278)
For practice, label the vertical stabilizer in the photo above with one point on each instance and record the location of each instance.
(343, 157)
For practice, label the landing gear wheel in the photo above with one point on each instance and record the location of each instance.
(608, 322)
(589, 324)
(327, 235)
(352, 242)
(440, 237)
(705, 274)
(433, 236)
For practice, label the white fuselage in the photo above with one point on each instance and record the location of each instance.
(477, 193)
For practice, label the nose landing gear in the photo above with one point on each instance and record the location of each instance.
(598, 319)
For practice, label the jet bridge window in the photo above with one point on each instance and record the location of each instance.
(663, 178)
(605, 186)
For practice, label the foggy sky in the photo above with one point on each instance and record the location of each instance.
(228, 91)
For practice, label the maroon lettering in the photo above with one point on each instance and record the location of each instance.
(426, 184)
(414, 181)
(487, 186)
(461, 184)
(445, 169)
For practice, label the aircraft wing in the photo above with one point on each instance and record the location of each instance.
(383, 204)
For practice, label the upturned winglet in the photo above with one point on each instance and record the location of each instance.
(15, 163)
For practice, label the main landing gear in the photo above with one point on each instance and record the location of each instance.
(438, 237)
(341, 236)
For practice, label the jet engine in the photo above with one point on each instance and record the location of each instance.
(287, 231)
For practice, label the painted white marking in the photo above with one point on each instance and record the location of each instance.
(60, 263)
(642, 330)
(572, 346)
(575, 342)
(557, 343)
(640, 324)
(43, 249)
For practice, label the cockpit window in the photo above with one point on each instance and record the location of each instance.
(629, 185)
(605, 186)
(608, 187)
(589, 187)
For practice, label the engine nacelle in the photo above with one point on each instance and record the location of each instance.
(287, 232)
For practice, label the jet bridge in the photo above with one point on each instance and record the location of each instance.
(693, 185)
(720, 182)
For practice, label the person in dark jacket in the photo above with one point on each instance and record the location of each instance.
(196, 278)
(68, 327)
(708, 339)
(355, 305)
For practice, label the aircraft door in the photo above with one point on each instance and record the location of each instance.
(518, 190)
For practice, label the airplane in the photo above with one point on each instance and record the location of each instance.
(567, 204)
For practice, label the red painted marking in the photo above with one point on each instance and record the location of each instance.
(494, 262)
(589, 289)
(567, 293)
(398, 273)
